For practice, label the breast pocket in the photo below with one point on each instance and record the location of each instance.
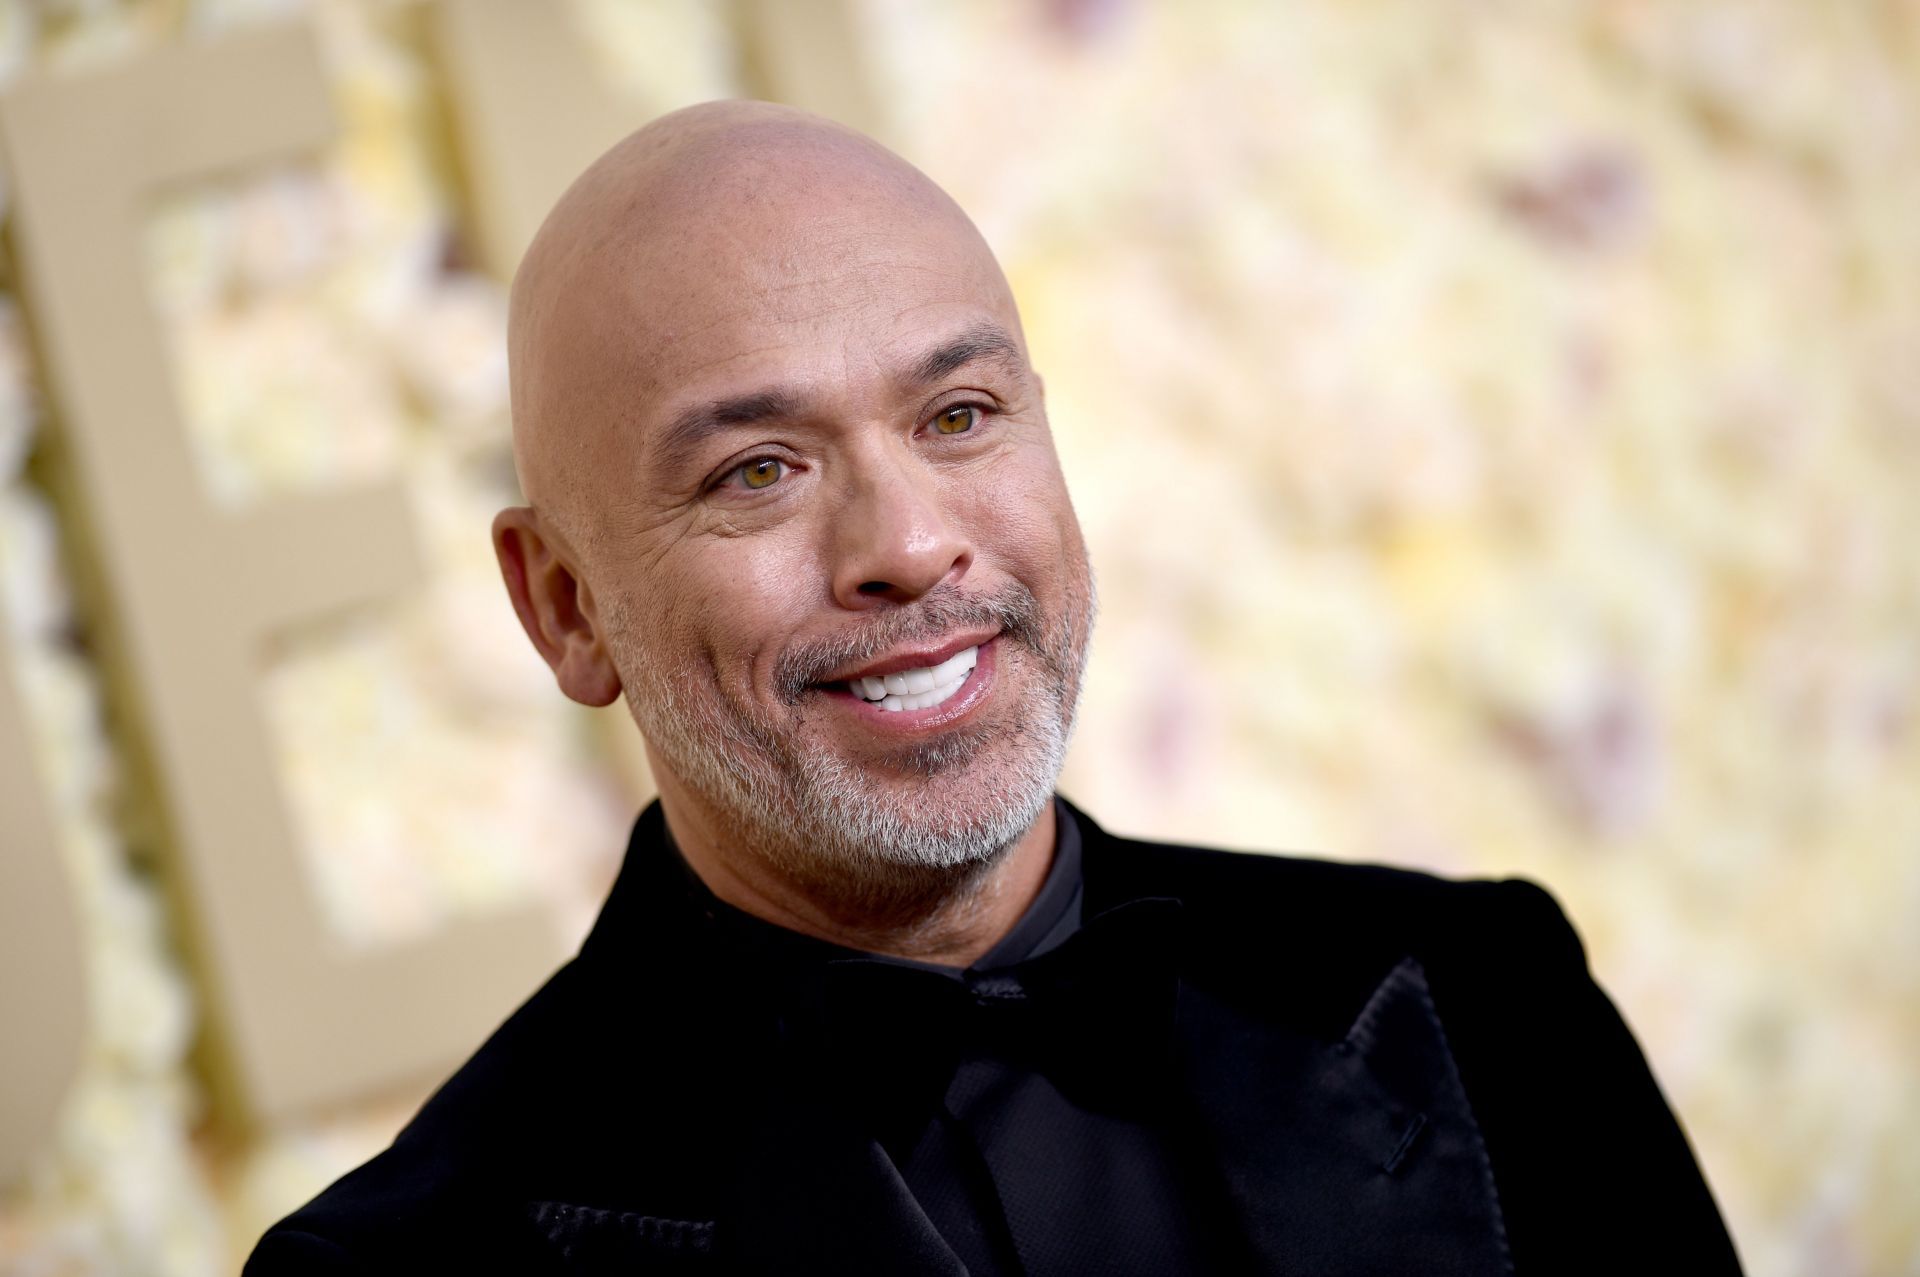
(586, 1240)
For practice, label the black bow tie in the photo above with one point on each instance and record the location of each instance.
(1095, 1015)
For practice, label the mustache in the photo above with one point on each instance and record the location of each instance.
(1012, 610)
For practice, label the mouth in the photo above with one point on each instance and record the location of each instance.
(917, 687)
(920, 688)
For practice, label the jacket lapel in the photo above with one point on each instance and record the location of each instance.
(1326, 1095)
(1357, 1156)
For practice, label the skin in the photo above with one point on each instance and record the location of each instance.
(740, 249)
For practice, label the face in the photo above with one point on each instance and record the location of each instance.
(833, 557)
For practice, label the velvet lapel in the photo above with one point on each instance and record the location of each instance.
(1358, 1156)
(1353, 1152)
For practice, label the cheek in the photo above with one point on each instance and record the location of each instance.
(734, 603)
(1020, 512)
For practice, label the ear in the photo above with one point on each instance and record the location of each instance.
(554, 606)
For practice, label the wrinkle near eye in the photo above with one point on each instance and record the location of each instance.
(728, 526)
(683, 530)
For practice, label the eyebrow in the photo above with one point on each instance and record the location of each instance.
(982, 341)
(683, 436)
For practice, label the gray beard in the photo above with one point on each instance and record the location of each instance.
(824, 822)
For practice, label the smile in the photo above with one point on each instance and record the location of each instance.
(920, 688)
(929, 689)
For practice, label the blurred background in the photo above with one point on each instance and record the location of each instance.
(1497, 429)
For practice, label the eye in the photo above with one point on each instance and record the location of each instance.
(956, 420)
(761, 472)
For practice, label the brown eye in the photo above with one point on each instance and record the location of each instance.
(762, 473)
(956, 420)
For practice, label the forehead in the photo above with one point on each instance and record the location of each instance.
(831, 295)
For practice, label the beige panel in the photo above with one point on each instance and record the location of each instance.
(530, 110)
(43, 1002)
(809, 54)
(185, 596)
(265, 544)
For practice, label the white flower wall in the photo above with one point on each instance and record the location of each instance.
(1497, 429)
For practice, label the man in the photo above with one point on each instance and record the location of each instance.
(868, 997)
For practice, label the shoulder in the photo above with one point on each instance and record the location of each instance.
(1532, 1035)
(1325, 932)
(573, 1078)
(1322, 900)
(448, 1155)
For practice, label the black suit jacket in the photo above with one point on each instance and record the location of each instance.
(1396, 1073)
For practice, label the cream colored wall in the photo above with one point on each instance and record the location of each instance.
(1496, 434)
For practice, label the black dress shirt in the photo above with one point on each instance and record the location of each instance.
(1016, 1176)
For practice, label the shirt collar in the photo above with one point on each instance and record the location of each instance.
(1053, 916)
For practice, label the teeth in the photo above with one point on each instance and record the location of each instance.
(955, 666)
(921, 688)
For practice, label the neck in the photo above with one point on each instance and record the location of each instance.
(947, 916)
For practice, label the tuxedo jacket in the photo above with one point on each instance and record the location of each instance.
(1393, 1073)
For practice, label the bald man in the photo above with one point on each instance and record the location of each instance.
(868, 996)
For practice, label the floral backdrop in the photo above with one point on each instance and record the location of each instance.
(1498, 432)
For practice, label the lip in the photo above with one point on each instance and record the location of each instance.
(972, 694)
(917, 657)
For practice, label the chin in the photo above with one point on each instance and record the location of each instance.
(937, 813)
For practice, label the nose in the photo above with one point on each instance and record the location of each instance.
(893, 539)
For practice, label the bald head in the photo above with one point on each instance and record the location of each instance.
(687, 242)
